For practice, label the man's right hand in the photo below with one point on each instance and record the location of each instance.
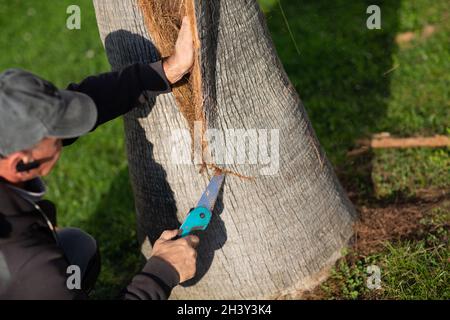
(180, 253)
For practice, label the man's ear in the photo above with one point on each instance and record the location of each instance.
(14, 160)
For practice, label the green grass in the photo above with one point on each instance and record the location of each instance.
(421, 269)
(413, 271)
(407, 171)
(35, 37)
(419, 100)
(342, 76)
(348, 280)
(410, 270)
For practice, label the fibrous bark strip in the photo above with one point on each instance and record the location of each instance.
(163, 21)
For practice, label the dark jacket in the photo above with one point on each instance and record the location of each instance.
(32, 266)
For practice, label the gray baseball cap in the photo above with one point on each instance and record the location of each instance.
(32, 108)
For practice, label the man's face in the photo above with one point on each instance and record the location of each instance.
(47, 152)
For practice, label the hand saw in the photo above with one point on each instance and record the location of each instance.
(200, 216)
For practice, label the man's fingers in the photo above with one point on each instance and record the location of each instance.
(168, 235)
(192, 240)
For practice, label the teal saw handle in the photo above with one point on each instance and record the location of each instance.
(197, 219)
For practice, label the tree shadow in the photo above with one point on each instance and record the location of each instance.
(342, 72)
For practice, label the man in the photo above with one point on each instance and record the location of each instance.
(36, 121)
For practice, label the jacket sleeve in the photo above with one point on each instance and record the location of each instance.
(116, 93)
(155, 282)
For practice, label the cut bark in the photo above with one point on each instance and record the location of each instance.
(269, 235)
(163, 21)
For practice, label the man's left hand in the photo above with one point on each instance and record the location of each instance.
(181, 62)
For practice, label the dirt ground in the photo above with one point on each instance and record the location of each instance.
(388, 222)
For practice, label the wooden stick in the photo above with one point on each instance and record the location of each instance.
(413, 142)
(384, 141)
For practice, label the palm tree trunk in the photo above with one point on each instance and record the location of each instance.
(270, 235)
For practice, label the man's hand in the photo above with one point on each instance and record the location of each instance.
(180, 63)
(180, 253)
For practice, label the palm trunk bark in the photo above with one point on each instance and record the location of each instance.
(270, 235)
